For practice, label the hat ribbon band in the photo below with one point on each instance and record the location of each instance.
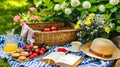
(100, 55)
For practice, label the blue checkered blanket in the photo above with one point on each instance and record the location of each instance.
(87, 62)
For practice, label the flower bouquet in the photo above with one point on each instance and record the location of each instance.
(93, 25)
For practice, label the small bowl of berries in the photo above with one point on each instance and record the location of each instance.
(62, 49)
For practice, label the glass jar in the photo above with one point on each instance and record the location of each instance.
(10, 43)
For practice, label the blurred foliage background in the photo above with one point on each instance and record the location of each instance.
(8, 9)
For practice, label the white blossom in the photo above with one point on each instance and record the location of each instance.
(75, 3)
(86, 4)
(57, 7)
(102, 8)
(68, 11)
(114, 2)
(63, 5)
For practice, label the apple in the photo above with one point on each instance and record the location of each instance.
(46, 29)
(53, 28)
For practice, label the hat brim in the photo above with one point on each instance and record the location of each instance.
(85, 49)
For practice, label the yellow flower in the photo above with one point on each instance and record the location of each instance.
(79, 22)
(107, 29)
(87, 22)
(76, 27)
(91, 15)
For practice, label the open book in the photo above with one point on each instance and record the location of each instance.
(61, 59)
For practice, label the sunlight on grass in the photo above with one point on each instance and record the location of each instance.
(14, 4)
(8, 9)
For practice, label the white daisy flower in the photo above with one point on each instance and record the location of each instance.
(57, 7)
(68, 11)
(86, 4)
(75, 3)
(102, 8)
(114, 2)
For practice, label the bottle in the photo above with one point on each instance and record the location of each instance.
(10, 43)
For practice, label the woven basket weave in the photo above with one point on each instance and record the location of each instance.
(62, 36)
(117, 64)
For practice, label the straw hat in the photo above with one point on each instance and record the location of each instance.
(101, 48)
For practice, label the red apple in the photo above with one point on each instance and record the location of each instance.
(53, 28)
(46, 29)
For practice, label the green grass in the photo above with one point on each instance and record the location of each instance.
(8, 9)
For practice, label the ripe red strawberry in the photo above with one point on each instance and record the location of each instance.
(41, 52)
(64, 50)
(53, 28)
(35, 54)
(24, 47)
(31, 53)
(59, 49)
(31, 56)
(43, 49)
(37, 51)
(30, 47)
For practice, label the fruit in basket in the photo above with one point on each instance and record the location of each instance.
(53, 28)
(46, 29)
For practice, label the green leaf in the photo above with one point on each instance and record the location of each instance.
(59, 1)
(118, 29)
(118, 21)
(93, 9)
(80, 8)
(105, 35)
(108, 5)
(94, 1)
(114, 9)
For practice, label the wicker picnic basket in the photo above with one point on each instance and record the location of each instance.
(65, 33)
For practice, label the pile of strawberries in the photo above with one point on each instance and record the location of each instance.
(35, 51)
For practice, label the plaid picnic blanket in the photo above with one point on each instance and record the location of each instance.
(87, 62)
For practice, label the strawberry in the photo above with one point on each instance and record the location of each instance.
(30, 47)
(59, 49)
(35, 54)
(24, 47)
(43, 49)
(31, 56)
(41, 52)
(30, 53)
(37, 51)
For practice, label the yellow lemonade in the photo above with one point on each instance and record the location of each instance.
(10, 47)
